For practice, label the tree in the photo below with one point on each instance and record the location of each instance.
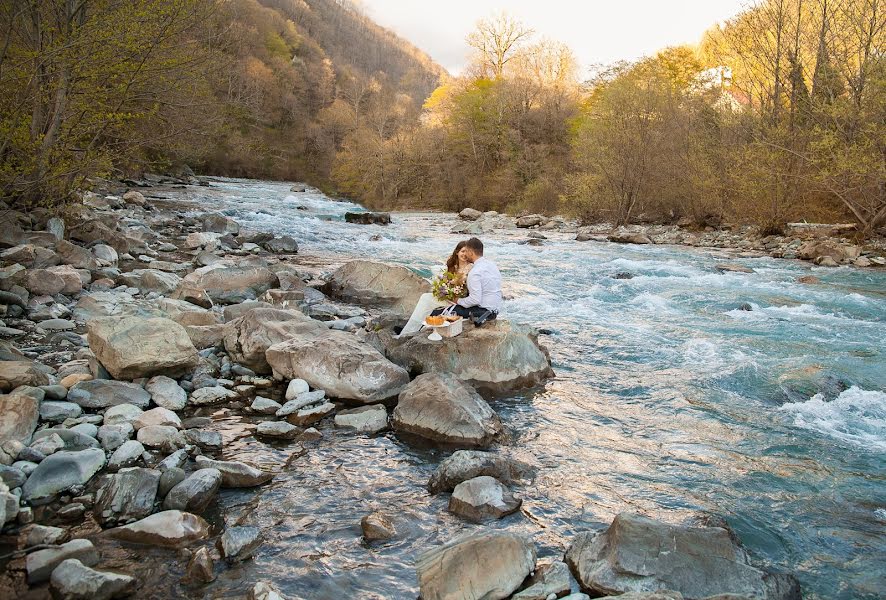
(498, 40)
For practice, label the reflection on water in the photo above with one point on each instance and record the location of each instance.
(668, 399)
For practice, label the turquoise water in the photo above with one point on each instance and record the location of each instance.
(668, 399)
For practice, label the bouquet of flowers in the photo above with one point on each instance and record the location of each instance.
(449, 287)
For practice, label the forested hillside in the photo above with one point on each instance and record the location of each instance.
(777, 115)
(242, 87)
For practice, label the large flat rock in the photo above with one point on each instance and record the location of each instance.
(339, 363)
(639, 554)
(133, 347)
(441, 408)
(249, 336)
(497, 358)
(60, 472)
(483, 566)
(169, 528)
(370, 283)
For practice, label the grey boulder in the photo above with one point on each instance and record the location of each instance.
(60, 472)
(441, 408)
(483, 566)
(72, 580)
(126, 496)
(41, 563)
(235, 474)
(169, 528)
(239, 543)
(194, 493)
(467, 464)
(482, 498)
(639, 554)
(104, 393)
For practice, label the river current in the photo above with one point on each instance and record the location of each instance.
(668, 399)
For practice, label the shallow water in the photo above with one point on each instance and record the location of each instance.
(668, 399)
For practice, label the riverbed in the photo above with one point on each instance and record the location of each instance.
(670, 397)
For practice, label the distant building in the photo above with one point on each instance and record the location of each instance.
(719, 78)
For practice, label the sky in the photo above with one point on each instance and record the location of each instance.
(598, 31)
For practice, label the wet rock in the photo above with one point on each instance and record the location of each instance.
(73, 440)
(467, 464)
(312, 414)
(164, 437)
(264, 591)
(39, 535)
(166, 393)
(211, 395)
(126, 496)
(157, 416)
(42, 563)
(207, 441)
(302, 400)
(498, 357)
(340, 364)
(277, 429)
(21, 412)
(235, 474)
(132, 347)
(122, 413)
(367, 419)
(732, 268)
(808, 279)
(60, 472)
(281, 245)
(663, 595)
(264, 406)
(369, 283)
(17, 373)
(368, 218)
(248, 337)
(170, 478)
(169, 528)
(629, 238)
(200, 567)
(482, 498)
(377, 526)
(175, 459)
(102, 393)
(194, 493)
(487, 566)
(700, 561)
(226, 284)
(552, 578)
(443, 409)
(623, 275)
(126, 455)
(13, 477)
(239, 543)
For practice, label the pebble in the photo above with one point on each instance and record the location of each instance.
(57, 325)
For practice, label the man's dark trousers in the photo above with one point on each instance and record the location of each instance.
(467, 313)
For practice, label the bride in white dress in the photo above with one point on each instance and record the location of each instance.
(428, 302)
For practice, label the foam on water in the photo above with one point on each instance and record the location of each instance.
(856, 416)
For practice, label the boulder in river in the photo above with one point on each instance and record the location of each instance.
(370, 283)
(442, 408)
(132, 347)
(376, 526)
(340, 364)
(235, 474)
(248, 337)
(470, 214)
(467, 464)
(194, 493)
(367, 419)
(239, 543)
(625, 237)
(482, 498)
(497, 358)
(639, 554)
(483, 566)
(126, 496)
(549, 579)
(170, 528)
(368, 218)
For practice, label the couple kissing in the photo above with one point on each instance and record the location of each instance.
(469, 286)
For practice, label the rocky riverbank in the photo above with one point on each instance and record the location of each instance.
(128, 324)
(824, 245)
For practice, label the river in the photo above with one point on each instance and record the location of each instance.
(668, 399)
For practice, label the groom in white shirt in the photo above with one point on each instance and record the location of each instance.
(484, 286)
